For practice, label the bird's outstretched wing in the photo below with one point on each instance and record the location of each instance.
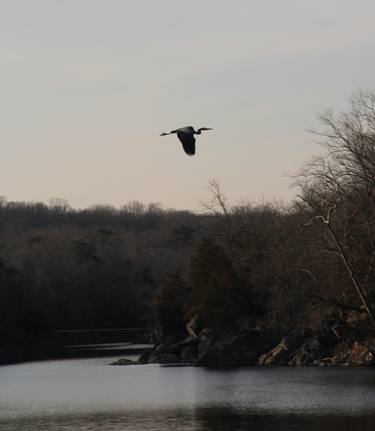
(188, 142)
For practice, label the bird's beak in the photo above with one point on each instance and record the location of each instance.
(164, 134)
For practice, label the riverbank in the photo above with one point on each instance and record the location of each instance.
(350, 342)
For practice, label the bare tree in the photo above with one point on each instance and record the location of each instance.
(360, 290)
(338, 188)
(218, 204)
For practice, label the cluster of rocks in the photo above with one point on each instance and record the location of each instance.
(351, 342)
(212, 349)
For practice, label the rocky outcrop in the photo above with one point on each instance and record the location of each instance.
(211, 348)
(124, 361)
(280, 353)
(348, 342)
(230, 349)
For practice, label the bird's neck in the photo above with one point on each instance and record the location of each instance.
(197, 132)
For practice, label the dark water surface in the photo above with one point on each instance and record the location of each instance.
(87, 394)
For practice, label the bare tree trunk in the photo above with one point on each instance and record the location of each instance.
(356, 283)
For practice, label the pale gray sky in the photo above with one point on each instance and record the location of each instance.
(88, 85)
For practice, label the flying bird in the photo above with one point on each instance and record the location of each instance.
(186, 136)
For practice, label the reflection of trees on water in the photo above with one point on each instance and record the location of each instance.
(198, 419)
(229, 419)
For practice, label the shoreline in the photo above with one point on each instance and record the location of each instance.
(342, 345)
(346, 343)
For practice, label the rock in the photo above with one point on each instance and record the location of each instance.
(145, 356)
(188, 354)
(362, 353)
(123, 361)
(203, 349)
(226, 337)
(205, 334)
(300, 359)
(218, 345)
(245, 342)
(178, 347)
(245, 348)
(279, 354)
(227, 350)
(324, 362)
(167, 358)
(306, 354)
(156, 352)
(342, 342)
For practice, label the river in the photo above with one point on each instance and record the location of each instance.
(89, 395)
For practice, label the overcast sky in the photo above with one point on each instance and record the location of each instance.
(87, 86)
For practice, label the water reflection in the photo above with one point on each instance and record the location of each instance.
(199, 419)
(232, 420)
(89, 395)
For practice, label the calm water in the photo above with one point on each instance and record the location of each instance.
(89, 395)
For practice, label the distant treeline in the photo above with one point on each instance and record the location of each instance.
(63, 268)
(236, 266)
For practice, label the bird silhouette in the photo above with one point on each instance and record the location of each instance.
(186, 136)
